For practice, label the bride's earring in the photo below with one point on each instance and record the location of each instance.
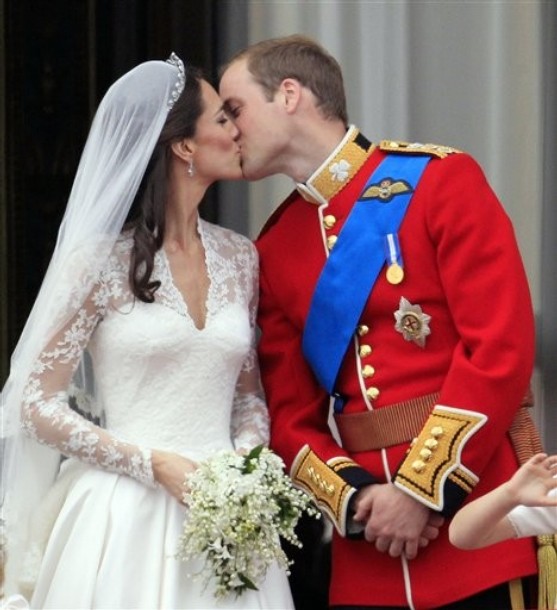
(191, 170)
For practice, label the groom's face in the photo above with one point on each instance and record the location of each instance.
(259, 121)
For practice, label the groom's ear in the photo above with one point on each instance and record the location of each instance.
(183, 149)
(291, 92)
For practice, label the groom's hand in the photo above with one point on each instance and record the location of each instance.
(394, 521)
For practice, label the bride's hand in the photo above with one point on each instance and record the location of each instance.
(171, 470)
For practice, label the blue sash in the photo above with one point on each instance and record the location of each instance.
(354, 263)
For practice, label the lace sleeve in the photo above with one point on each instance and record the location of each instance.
(46, 414)
(250, 417)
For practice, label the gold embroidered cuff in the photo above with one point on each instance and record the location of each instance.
(434, 459)
(330, 492)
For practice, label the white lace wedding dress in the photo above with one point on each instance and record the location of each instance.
(161, 383)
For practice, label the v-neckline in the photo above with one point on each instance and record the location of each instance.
(179, 297)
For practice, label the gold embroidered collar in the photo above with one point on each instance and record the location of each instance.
(338, 169)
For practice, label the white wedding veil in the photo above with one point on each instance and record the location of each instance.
(123, 135)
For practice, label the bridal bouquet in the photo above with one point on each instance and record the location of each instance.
(239, 508)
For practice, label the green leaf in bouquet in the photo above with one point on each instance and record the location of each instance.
(247, 582)
(250, 460)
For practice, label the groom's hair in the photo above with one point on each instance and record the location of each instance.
(299, 57)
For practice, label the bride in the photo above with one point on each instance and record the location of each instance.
(137, 361)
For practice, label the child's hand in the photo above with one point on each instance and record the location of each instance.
(533, 481)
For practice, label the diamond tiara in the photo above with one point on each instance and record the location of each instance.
(175, 61)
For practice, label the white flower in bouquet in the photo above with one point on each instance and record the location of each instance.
(239, 508)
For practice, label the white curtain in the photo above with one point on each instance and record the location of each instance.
(462, 73)
(465, 74)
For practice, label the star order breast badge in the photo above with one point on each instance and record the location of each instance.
(412, 322)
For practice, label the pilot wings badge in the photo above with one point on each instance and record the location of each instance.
(386, 190)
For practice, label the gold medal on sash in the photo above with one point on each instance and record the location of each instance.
(395, 273)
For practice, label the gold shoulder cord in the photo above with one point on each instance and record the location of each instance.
(417, 148)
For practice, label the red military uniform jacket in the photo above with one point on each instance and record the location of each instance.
(465, 288)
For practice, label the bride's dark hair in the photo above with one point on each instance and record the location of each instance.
(146, 219)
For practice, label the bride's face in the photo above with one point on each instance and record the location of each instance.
(216, 153)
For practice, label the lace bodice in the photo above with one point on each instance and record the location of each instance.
(160, 382)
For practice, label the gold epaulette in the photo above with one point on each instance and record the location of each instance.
(322, 481)
(436, 150)
(435, 456)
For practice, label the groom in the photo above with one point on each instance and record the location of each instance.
(393, 295)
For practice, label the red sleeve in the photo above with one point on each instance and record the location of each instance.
(299, 412)
(487, 295)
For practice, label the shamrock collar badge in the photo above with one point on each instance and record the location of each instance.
(412, 322)
(340, 170)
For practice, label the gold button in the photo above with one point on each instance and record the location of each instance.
(418, 466)
(437, 431)
(413, 441)
(365, 350)
(363, 330)
(331, 241)
(372, 393)
(426, 454)
(368, 371)
(431, 443)
(329, 221)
